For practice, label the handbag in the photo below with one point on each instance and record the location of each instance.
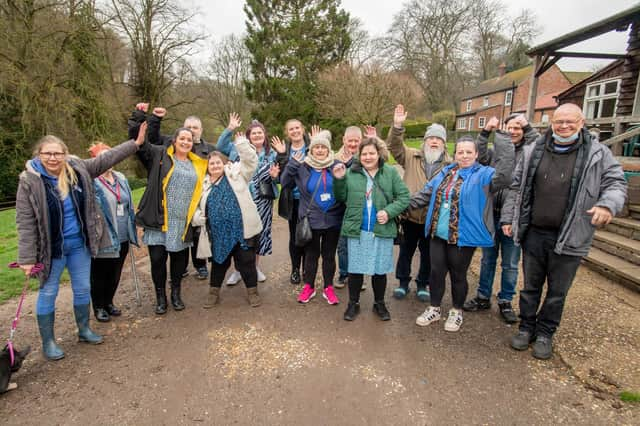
(265, 190)
(303, 228)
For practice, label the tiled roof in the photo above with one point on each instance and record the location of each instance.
(576, 76)
(497, 84)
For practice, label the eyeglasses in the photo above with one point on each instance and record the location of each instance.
(56, 155)
(565, 122)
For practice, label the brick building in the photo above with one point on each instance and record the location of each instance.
(507, 94)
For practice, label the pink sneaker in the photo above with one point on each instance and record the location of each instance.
(330, 295)
(306, 294)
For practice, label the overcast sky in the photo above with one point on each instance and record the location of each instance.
(556, 17)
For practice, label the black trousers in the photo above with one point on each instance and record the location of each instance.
(413, 238)
(540, 264)
(455, 260)
(325, 243)
(295, 253)
(177, 263)
(105, 277)
(379, 283)
(197, 263)
(245, 263)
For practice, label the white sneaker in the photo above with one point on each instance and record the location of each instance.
(454, 321)
(234, 278)
(261, 276)
(431, 314)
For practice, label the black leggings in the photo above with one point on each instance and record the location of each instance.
(296, 254)
(245, 263)
(325, 243)
(450, 258)
(379, 283)
(177, 264)
(197, 263)
(105, 277)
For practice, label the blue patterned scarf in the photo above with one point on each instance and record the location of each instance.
(225, 220)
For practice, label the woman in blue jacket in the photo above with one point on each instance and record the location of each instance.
(113, 196)
(459, 219)
(314, 178)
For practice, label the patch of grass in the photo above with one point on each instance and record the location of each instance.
(13, 279)
(628, 396)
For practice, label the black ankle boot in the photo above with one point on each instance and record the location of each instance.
(161, 301)
(353, 309)
(381, 309)
(176, 301)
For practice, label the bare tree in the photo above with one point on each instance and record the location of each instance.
(366, 94)
(160, 36)
(427, 39)
(228, 69)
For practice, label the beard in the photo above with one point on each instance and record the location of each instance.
(431, 155)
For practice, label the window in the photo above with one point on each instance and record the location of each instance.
(469, 105)
(462, 123)
(601, 98)
(485, 101)
(508, 96)
(481, 122)
(545, 118)
(470, 123)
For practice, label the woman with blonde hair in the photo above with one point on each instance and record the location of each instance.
(60, 225)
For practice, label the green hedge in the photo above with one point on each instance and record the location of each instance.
(412, 130)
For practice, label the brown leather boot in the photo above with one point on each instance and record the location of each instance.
(254, 297)
(213, 298)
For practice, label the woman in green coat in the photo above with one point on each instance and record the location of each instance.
(374, 195)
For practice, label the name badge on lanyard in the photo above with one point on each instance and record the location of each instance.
(119, 210)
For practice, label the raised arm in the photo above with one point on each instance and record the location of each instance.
(248, 156)
(504, 156)
(100, 164)
(395, 138)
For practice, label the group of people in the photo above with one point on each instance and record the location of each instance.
(545, 193)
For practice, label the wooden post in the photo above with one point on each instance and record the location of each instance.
(533, 89)
(616, 149)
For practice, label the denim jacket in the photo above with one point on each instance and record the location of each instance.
(108, 215)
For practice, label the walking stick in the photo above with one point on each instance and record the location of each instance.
(134, 273)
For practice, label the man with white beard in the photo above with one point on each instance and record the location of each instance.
(420, 166)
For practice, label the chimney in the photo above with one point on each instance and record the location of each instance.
(501, 69)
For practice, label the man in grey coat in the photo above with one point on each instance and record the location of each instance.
(565, 184)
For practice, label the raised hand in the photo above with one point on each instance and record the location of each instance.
(298, 156)
(274, 171)
(278, 145)
(159, 112)
(492, 124)
(315, 129)
(370, 131)
(339, 170)
(142, 133)
(345, 156)
(142, 106)
(399, 116)
(521, 120)
(239, 135)
(234, 121)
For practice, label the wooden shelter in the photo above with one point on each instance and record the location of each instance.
(628, 104)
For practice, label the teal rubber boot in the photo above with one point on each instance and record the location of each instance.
(85, 334)
(50, 350)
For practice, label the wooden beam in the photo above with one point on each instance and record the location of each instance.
(612, 120)
(533, 88)
(589, 55)
(547, 65)
(622, 137)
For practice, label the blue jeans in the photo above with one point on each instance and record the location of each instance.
(77, 258)
(343, 257)
(510, 254)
